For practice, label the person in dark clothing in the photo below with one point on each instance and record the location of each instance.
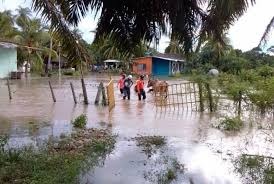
(140, 88)
(127, 85)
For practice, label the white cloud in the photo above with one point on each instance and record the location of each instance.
(244, 34)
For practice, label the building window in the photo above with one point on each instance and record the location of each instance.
(141, 67)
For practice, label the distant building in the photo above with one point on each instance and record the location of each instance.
(159, 65)
(8, 59)
(112, 63)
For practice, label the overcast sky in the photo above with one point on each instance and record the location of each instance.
(245, 34)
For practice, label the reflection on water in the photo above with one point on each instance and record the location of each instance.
(31, 115)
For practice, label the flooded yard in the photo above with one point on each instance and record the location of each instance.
(205, 153)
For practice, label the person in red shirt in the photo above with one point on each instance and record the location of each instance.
(140, 88)
(121, 83)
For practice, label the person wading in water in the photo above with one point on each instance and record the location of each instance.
(140, 88)
(121, 82)
(127, 85)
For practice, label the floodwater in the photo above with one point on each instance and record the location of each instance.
(205, 151)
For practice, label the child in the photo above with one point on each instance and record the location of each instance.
(127, 85)
(140, 88)
(120, 84)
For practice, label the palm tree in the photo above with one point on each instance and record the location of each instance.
(6, 25)
(31, 33)
(266, 34)
(213, 50)
(174, 47)
(129, 20)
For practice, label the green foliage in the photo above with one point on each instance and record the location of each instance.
(170, 175)
(265, 71)
(231, 124)
(150, 143)
(255, 169)
(263, 96)
(3, 142)
(51, 165)
(80, 121)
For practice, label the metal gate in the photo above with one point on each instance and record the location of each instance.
(178, 96)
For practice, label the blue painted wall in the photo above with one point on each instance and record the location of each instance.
(160, 66)
(8, 61)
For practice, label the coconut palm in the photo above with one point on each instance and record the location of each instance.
(130, 20)
(7, 29)
(174, 47)
(266, 34)
(31, 33)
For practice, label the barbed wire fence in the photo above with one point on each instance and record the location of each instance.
(51, 91)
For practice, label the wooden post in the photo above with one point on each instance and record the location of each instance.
(200, 86)
(52, 92)
(73, 93)
(98, 95)
(104, 98)
(240, 103)
(8, 83)
(210, 98)
(84, 91)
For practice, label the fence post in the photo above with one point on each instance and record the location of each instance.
(240, 103)
(73, 93)
(52, 93)
(84, 91)
(8, 83)
(97, 99)
(210, 98)
(200, 86)
(104, 98)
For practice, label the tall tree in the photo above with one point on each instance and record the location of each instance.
(7, 29)
(174, 47)
(129, 20)
(31, 33)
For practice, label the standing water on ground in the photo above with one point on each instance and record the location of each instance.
(190, 149)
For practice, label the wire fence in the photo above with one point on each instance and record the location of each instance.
(183, 96)
(25, 90)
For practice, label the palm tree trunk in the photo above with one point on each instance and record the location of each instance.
(27, 65)
(49, 58)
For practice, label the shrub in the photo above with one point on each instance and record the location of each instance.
(231, 124)
(80, 121)
(3, 141)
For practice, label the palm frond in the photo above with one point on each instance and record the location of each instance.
(266, 34)
(221, 15)
(129, 20)
(50, 12)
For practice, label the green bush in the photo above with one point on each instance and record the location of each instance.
(80, 121)
(70, 73)
(265, 71)
(3, 141)
(231, 124)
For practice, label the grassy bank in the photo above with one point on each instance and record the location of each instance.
(58, 161)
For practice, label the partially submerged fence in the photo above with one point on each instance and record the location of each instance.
(184, 96)
(65, 91)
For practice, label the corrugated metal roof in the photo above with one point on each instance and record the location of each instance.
(170, 57)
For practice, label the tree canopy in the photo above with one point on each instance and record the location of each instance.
(128, 21)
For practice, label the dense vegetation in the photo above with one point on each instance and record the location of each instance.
(58, 161)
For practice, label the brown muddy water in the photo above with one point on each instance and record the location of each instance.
(205, 152)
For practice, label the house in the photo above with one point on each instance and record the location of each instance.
(55, 62)
(8, 59)
(112, 64)
(159, 65)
